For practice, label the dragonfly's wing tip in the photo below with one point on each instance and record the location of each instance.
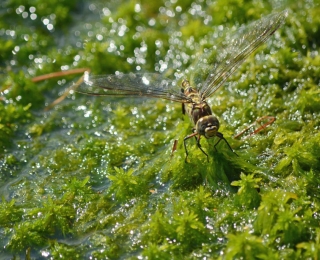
(284, 14)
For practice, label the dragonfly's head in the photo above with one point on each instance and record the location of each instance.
(207, 126)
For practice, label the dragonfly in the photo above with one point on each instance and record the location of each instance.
(212, 73)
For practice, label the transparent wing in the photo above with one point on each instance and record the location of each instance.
(133, 84)
(219, 63)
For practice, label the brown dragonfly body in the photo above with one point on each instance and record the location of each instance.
(206, 124)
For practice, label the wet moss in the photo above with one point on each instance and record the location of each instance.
(96, 177)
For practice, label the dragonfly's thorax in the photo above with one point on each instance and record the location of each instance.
(196, 111)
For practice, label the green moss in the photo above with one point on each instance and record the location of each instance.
(247, 246)
(10, 213)
(96, 177)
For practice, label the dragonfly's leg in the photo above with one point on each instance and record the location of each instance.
(185, 146)
(183, 108)
(196, 137)
(199, 145)
(220, 135)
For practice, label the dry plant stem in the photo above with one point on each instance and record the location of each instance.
(66, 93)
(59, 74)
(271, 119)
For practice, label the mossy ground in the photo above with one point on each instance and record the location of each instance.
(94, 177)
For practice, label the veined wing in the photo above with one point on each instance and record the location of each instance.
(235, 50)
(134, 85)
